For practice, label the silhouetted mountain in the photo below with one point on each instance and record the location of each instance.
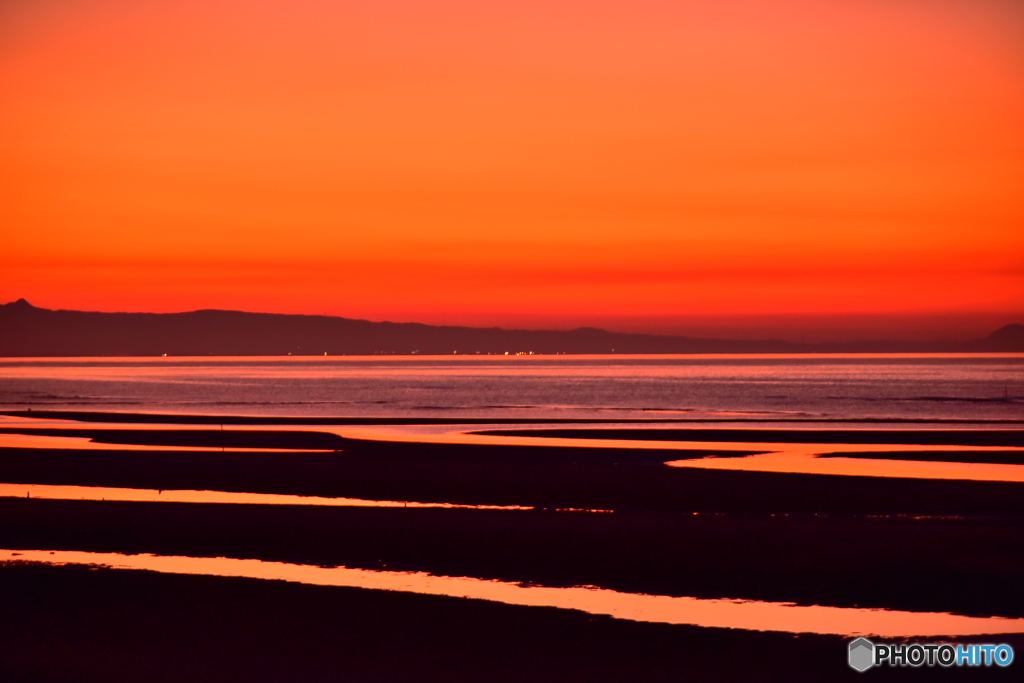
(1008, 338)
(29, 331)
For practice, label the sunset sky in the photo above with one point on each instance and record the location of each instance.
(840, 167)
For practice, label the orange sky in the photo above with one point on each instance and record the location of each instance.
(633, 164)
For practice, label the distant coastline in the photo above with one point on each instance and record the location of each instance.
(27, 331)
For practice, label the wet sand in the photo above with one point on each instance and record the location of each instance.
(200, 438)
(846, 541)
(73, 623)
(899, 563)
(748, 615)
(542, 477)
(923, 437)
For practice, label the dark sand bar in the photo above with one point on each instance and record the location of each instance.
(895, 562)
(73, 623)
(915, 545)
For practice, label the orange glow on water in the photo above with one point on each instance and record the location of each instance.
(104, 493)
(802, 459)
(742, 614)
(442, 161)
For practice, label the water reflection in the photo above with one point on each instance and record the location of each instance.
(188, 496)
(802, 458)
(776, 457)
(742, 614)
(79, 443)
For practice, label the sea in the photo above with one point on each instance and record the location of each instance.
(857, 387)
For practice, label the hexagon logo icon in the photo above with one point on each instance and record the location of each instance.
(862, 654)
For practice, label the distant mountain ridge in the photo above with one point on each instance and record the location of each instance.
(29, 331)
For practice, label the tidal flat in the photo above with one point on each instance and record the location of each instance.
(578, 514)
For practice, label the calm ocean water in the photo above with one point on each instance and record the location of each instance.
(916, 387)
